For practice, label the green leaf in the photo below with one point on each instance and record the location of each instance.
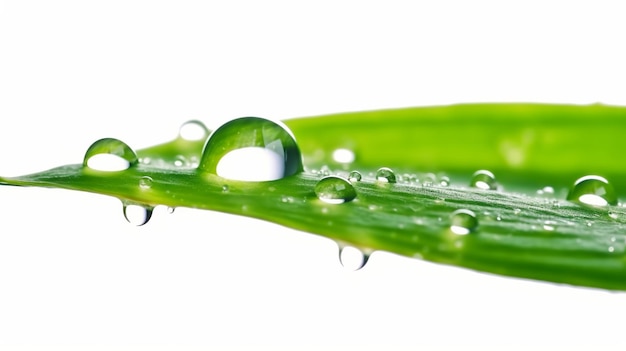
(433, 152)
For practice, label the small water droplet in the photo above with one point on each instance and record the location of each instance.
(137, 214)
(193, 130)
(352, 258)
(355, 176)
(429, 179)
(444, 181)
(225, 189)
(385, 175)
(484, 179)
(613, 215)
(611, 249)
(145, 183)
(517, 211)
(180, 161)
(325, 170)
(335, 190)
(343, 156)
(109, 155)
(251, 149)
(549, 225)
(592, 190)
(171, 210)
(463, 222)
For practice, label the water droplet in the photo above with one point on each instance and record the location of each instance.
(517, 211)
(225, 189)
(180, 161)
(109, 155)
(137, 214)
(463, 222)
(355, 176)
(484, 179)
(611, 249)
(444, 181)
(251, 149)
(429, 179)
(592, 190)
(145, 183)
(385, 175)
(549, 225)
(325, 170)
(335, 190)
(193, 130)
(613, 215)
(343, 156)
(352, 258)
(171, 210)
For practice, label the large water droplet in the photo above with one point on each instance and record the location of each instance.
(484, 179)
(463, 222)
(137, 214)
(352, 258)
(335, 190)
(385, 175)
(355, 176)
(251, 149)
(109, 155)
(593, 190)
(193, 130)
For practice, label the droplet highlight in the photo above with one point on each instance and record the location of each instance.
(463, 222)
(109, 155)
(335, 190)
(385, 175)
(251, 149)
(352, 258)
(193, 130)
(484, 179)
(137, 214)
(592, 190)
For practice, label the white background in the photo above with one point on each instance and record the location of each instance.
(72, 271)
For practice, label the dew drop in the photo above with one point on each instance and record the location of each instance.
(225, 189)
(251, 149)
(592, 190)
(193, 130)
(549, 226)
(109, 155)
(171, 210)
(352, 258)
(343, 156)
(444, 181)
(463, 222)
(145, 183)
(325, 170)
(385, 175)
(484, 179)
(355, 176)
(137, 214)
(335, 190)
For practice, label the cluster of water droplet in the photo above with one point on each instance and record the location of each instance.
(246, 149)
